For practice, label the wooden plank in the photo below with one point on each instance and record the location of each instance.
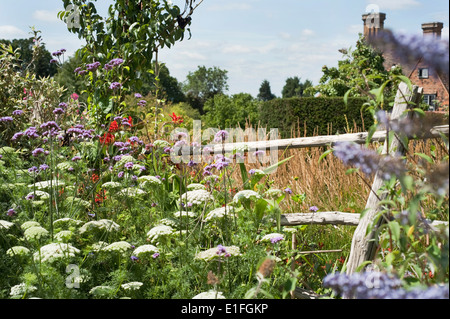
(320, 218)
(305, 142)
(363, 246)
(332, 218)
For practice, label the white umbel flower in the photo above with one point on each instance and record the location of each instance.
(210, 254)
(102, 224)
(55, 251)
(120, 247)
(156, 232)
(197, 197)
(145, 249)
(111, 185)
(18, 250)
(29, 224)
(149, 180)
(21, 289)
(132, 192)
(39, 194)
(4, 224)
(66, 222)
(35, 233)
(183, 213)
(219, 213)
(63, 235)
(273, 193)
(70, 200)
(210, 295)
(246, 195)
(268, 237)
(135, 285)
(195, 186)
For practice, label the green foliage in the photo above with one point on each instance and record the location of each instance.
(203, 84)
(295, 88)
(360, 71)
(224, 111)
(315, 116)
(265, 92)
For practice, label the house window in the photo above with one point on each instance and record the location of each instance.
(430, 99)
(423, 74)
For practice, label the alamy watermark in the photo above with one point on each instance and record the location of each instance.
(74, 279)
(241, 145)
(72, 16)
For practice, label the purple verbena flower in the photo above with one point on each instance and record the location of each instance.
(115, 86)
(313, 209)
(221, 136)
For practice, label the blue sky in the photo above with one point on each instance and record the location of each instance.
(252, 39)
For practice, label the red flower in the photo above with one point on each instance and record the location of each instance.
(100, 197)
(114, 127)
(107, 139)
(176, 119)
(94, 178)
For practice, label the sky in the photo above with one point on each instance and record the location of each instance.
(254, 40)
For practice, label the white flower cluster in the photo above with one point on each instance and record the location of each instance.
(111, 185)
(102, 224)
(149, 180)
(168, 222)
(4, 224)
(18, 250)
(64, 166)
(70, 200)
(219, 213)
(195, 186)
(63, 235)
(66, 222)
(246, 195)
(132, 192)
(135, 285)
(197, 197)
(211, 294)
(183, 213)
(156, 232)
(29, 224)
(40, 194)
(35, 233)
(55, 251)
(268, 237)
(161, 143)
(99, 246)
(289, 230)
(101, 291)
(211, 253)
(21, 289)
(145, 249)
(120, 247)
(273, 193)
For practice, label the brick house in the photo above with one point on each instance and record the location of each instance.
(435, 85)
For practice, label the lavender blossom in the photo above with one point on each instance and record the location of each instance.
(17, 112)
(6, 119)
(115, 86)
(37, 152)
(93, 66)
(221, 136)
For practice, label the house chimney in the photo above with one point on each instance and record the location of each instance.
(432, 29)
(373, 23)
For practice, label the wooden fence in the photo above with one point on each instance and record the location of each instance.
(363, 245)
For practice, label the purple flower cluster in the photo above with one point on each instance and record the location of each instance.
(221, 136)
(17, 112)
(368, 161)
(93, 66)
(411, 48)
(222, 251)
(376, 285)
(115, 86)
(80, 133)
(6, 119)
(59, 52)
(275, 240)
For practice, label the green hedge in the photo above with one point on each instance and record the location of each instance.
(318, 116)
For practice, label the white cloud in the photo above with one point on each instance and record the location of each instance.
(46, 16)
(307, 32)
(10, 32)
(237, 49)
(394, 4)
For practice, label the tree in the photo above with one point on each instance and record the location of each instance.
(265, 92)
(204, 84)
(360, 71)
(295, 88)
(41, 65)
(223, 111)
(170, 87)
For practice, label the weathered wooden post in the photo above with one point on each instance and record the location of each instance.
(364, 245)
